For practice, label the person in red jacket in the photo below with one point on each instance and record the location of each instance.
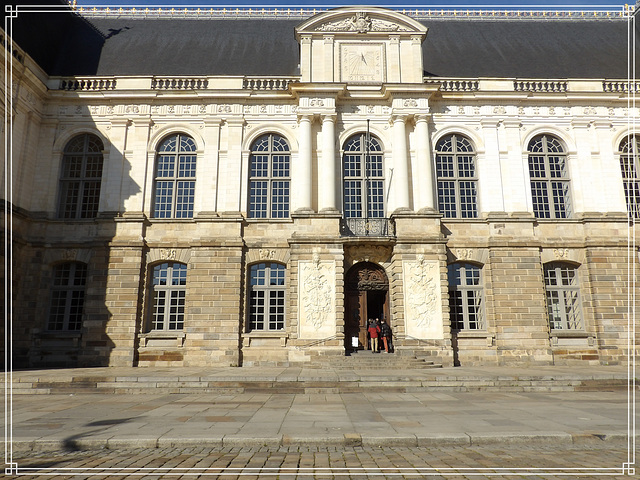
(374, 332)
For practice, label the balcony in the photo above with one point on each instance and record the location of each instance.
(367, 227)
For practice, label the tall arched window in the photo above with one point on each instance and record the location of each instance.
(266, 296)
(169, 292)
(550, 190)
(363, 177)
(563, 296)
(269, 177)
(466, 305)
(81, 177)
(67, 296)
(175, 178)
(457, 177)
(629, 152)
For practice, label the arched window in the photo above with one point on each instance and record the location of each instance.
(266, 296)
(363, 177)
(175, 177)
(549, 175)
(629, 152)
(67, 296)
(563, 296)
(269, 177)
(457, 177)
(169, 291)
(81, 177)
(466, 304)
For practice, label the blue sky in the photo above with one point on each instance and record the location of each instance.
(567, 4)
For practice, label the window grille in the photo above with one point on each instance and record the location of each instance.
(563, 297)
(629, 153)
(81, 178)
(267, 296)
(269, 177)
(67, 296)
(363, 177)
(466, 306)
(169, 289)
(175, 178)
(550, 184)
(457, 177)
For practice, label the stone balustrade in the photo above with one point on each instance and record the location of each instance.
(179, 83)
(620, 87)
(274, 83)
(540, 86)
(88, 84)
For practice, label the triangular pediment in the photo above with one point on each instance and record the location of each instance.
(360, 20)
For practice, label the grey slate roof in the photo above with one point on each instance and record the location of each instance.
(260, 46)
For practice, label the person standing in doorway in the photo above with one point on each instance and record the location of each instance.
(385, 333)
(374, 332)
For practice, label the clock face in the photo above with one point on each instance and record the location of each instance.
(361, 63)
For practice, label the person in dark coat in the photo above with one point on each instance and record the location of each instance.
(385, 333)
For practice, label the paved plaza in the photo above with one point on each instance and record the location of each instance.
(425, 430)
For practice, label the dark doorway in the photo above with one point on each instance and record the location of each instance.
(366, 296)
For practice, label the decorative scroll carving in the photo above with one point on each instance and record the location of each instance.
(370, 279)
(423, 305)
(464, 253)
(70, 254)
(361, 23)
(169, 254)
(561, 253)
(266, 254)
(317, 298)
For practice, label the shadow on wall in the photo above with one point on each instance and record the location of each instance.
(69, 188)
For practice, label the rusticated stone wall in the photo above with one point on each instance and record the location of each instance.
(519, 302)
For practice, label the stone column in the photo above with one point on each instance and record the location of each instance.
(327, 167)
(401, 171)
(424, 194)
(302, 175)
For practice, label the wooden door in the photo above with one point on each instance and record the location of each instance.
(355, 322)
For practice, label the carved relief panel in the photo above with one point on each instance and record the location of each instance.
(317, 299)
(423, 298)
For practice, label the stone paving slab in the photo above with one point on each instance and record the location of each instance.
(89, 421)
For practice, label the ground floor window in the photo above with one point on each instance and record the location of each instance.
(563, 296)
(168, 296)
(267, 296)
(465, 297)
(67, 296)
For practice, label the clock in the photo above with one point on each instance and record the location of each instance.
(361, 63)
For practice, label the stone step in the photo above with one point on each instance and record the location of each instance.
(384, 380)
(368, 360)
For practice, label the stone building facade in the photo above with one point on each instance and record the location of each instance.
(254, 203)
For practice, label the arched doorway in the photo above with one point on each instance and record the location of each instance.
(366, 296)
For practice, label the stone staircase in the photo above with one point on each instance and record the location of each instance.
(367, 360)
(360, 373)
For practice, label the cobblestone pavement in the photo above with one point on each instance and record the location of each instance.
(588, 461)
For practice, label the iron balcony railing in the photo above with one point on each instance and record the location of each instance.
(367, 227)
